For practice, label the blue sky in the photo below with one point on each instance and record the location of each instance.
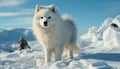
(86, 13)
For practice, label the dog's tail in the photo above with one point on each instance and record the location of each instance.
(67, 18)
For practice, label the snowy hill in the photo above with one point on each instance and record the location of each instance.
(10, 37)
(100, 49)
(14, 34)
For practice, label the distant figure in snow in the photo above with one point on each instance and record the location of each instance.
(23, 43)
(114, 25)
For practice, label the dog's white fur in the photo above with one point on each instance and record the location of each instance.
(59, 32)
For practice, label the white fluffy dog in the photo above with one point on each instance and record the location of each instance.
(54, 32)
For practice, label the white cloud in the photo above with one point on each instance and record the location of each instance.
(24, 20)
(3, 14)
(9, 3)
(7, 14)
(21, 12)
(27, 10)
(19, 21)
(15, 25)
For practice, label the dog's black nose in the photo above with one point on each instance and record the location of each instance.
(45, 23)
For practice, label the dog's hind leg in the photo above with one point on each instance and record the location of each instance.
(69, 51)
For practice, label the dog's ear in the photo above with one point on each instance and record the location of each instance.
(53, 8)
(37, 9)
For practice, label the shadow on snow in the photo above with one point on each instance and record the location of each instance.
(103, 56)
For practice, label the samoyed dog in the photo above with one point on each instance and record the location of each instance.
(54, 32)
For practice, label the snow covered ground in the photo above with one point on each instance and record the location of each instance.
(99, 49)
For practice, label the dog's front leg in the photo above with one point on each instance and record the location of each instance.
(58, 53)
(47, 55)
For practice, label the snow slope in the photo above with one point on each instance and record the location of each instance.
(100, 49)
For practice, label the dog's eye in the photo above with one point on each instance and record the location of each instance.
(41, 17)
(49, 17)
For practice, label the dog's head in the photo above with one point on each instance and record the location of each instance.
(46, 15)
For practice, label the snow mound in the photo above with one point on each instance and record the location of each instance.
(111, 37)
(9, 38)
(104, 37)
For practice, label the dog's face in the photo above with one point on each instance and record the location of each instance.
(45, 16)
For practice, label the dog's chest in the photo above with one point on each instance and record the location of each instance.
(49, 38)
